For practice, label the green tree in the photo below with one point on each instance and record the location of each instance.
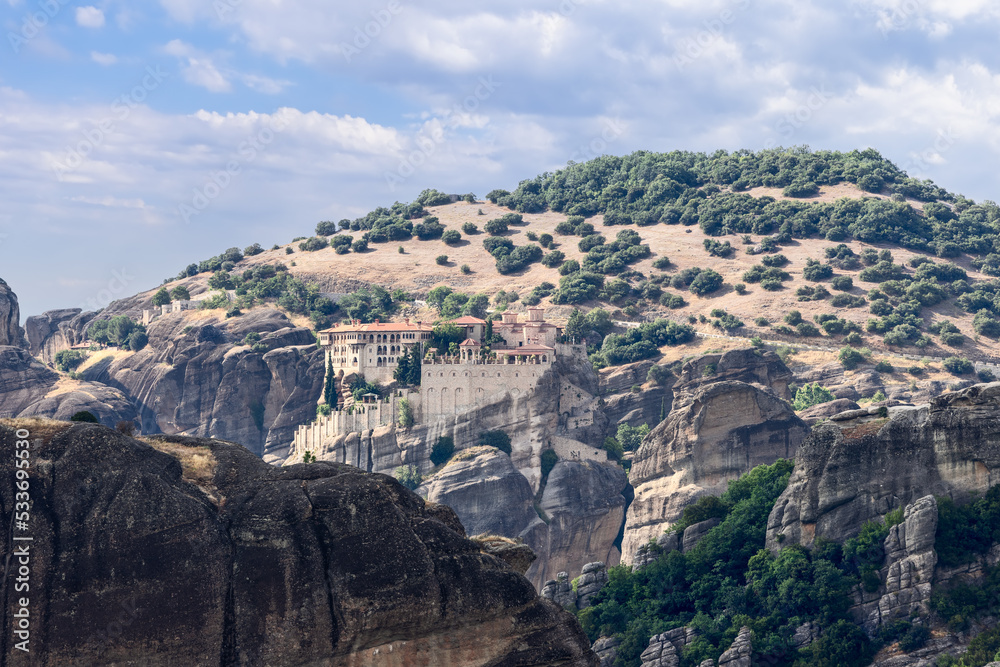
(161, 298)
(405, 416)
(409, 476)
(84, 416)
(810, 395)
(442, 450)
(444, 335)
(180, 293)
(330, 385)
(402, 372)
(497, 439)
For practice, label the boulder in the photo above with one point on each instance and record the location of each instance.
(650, 551)
(696, 531)
(56, 330)
(818, 413)
(722, 425)
(196, 552)
(486, 491)
(860, 465)
(560, 590)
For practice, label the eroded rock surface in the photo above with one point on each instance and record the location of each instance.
(858, 467)
(11, 333)
(199, 553)
(730, 413)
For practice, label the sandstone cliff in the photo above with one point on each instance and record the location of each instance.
(860, 465)
(56, 330)
(196, 552)
(729, 414)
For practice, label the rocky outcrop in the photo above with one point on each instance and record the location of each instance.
(910, 560)
(583, 509)
(859, 467)
(56, 330)
(29, 389)
(486, 491)
(738, 654)
(196, 552)
(195, 378)
(593, 578)
(730, 413)
(665, 649)
(650, 551)
(11, 333)
(560, 590)
(606, 650)
(817, 413)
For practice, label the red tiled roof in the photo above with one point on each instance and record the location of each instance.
(380, 327)
(468, 319)
(468, 342)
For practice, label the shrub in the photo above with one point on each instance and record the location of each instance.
(793, 317)
(69, 360)
(161, 298)
(661, 263)
(884, 366)
(706, 282)
(957, 365)
(84, 416)
(545, 240)
(441, 260)
(409, 476)
(361, 245)
(614, 449)
(442, 450)
(815, 271)
(554, 259)
(313, 244)
(800, 189)
(531, 236)
(658, 375)
(740, 288)
(549, 458)
(465, 269)
(762, 322)
(470, 228)
(497, 439)
(842, 283)
(672, 301)
(452, 237)
(496, 227)
(778, 260)
(810, 395)
(850, 358)
(568, 267)
(288, 250)
(806, 329)
(986, 375)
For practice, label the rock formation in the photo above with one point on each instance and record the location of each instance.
(578, 593)
(584, 509)
(486, 491)
(910, 560)
(738, 654)
(195, 378)
(56, 330)
(730, 413)
(672, 541)
(665, 649)
(10, 318)
(188, 551)
(860, 465)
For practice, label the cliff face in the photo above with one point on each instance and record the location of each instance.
(859, 465)
(194, 378)
(729, 414)
(56, 330)
(196, 552)
(10, 318)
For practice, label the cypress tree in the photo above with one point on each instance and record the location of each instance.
(330, 387)
(417, 364)
(402, 373)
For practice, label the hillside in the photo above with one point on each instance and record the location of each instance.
(847, 240)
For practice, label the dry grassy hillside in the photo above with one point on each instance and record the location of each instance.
(416, 271)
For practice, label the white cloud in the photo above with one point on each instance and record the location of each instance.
(103, 58)
(263, 84)
(89, 17)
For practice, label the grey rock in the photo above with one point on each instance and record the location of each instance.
(738, 654)
(190, 547)
(11, 333)
(585, 508)
(805, 634)
(856, 469)
(487, 492)
(649, 552)
(593, 578)
(818, 413)
(721, 425)
(560, 590)
(56, 330)
(696, 531)
(606, 650)
(664, 650)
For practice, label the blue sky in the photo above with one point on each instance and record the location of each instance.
(138, 137)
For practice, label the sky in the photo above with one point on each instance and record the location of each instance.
(138, 137)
